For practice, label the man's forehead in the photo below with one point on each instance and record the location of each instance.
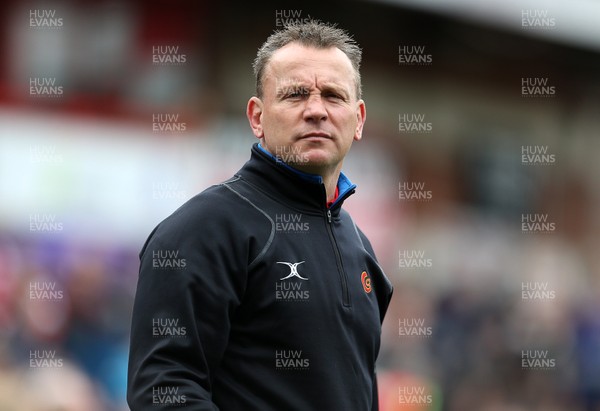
(295, 65)
(307, 80)
(304, 61)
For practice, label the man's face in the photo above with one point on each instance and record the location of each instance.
(309, 113)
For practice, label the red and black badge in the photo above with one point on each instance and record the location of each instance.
(366, 281)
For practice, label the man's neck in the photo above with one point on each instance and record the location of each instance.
(330, 181)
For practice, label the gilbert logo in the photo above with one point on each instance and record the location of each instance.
(293, 270)
(366, 281)
(294, 291)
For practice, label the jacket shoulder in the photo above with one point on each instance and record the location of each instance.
(219, 214)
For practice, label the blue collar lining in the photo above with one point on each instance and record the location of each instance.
(344, 184)
(313, 178)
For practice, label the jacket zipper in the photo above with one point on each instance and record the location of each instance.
(338, 260)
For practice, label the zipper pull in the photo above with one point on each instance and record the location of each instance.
(329, 215)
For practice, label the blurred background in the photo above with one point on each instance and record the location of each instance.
(478, 177)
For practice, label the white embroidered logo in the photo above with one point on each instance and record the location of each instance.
(293, 270)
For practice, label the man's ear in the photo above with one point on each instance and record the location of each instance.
(361, 116)
(254, 112)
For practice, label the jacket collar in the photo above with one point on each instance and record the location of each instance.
(301, 190)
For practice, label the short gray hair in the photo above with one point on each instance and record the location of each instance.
(313, 34)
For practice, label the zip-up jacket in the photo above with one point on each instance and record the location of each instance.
(254, 295)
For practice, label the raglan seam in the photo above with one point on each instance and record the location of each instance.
(271, 236)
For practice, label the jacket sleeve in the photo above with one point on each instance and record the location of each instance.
(383, 288)
(382, 285)
(192, 276)
(375, 404)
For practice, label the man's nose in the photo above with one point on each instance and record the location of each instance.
(315, 110)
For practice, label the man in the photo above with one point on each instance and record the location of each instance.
(260, 293)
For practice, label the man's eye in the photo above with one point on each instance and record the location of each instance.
(297, 93)
(334, 96)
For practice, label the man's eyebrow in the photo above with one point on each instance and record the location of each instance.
(334, 86)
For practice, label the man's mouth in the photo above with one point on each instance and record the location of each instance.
(316, 134)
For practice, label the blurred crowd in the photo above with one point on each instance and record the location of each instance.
(64, 310)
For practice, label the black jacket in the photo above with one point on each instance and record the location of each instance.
(255, 296)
